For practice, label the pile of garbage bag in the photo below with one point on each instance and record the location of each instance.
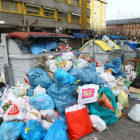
(48, 109)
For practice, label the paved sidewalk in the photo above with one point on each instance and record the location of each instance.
(123, 129)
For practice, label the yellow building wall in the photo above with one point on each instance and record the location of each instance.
(98, 20)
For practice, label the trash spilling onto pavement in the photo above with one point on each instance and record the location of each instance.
(67, 96)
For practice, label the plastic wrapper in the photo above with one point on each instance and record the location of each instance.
(98, 123)
(10, 130)
(57, 131)
(39, 76)
(33, 130)
(134, 113)
(63, 78)
(42, 101)
(106, 114)
(87, 93)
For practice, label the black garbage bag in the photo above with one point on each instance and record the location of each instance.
(136, 82)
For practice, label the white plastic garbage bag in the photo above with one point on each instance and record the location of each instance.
(15, 113)
(39, 90)
(81, 63)
(114, 88)
(53, 67)
(100, 70)
(24, 101)
(46, 124)
(2, 77)
(69, 56)
(8, 94)
(107, 77)
(20, 89)
(98, 123)
(33, 115)
(74, 108)
(119, 110)
(87, 93)
(65, 65)
(48, 115)
(134, 114)
(49, 62)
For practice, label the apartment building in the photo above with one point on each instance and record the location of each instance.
(44, 15)
(126, 27)
(98, 15)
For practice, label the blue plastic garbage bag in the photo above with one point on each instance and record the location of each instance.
(80, 74)
(116, 68)
(94, 76)
(57, 131)
(33, 130)
(10, 130)
(42, 101)
(62, 77)
(88, 75)
(30, 92)
(36, 49)
(62, 97)
(39, 76)
(107, 115)
(50, 44)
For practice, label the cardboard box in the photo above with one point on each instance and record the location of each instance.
(134, 90)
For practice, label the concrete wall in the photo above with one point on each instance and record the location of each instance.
(16, 19)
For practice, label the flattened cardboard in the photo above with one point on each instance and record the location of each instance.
(134, 90)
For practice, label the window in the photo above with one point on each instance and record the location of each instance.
(75, 2)
(9, 6)
(62, 16)
(75, 19)
(33, 10)
(48, 12)
(64, 1)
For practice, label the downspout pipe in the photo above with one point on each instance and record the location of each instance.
(23, 15)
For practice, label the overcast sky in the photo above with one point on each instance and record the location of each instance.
(117, 9)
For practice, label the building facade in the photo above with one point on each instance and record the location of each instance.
(43, 15)
(126, 27)
(98, 15)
